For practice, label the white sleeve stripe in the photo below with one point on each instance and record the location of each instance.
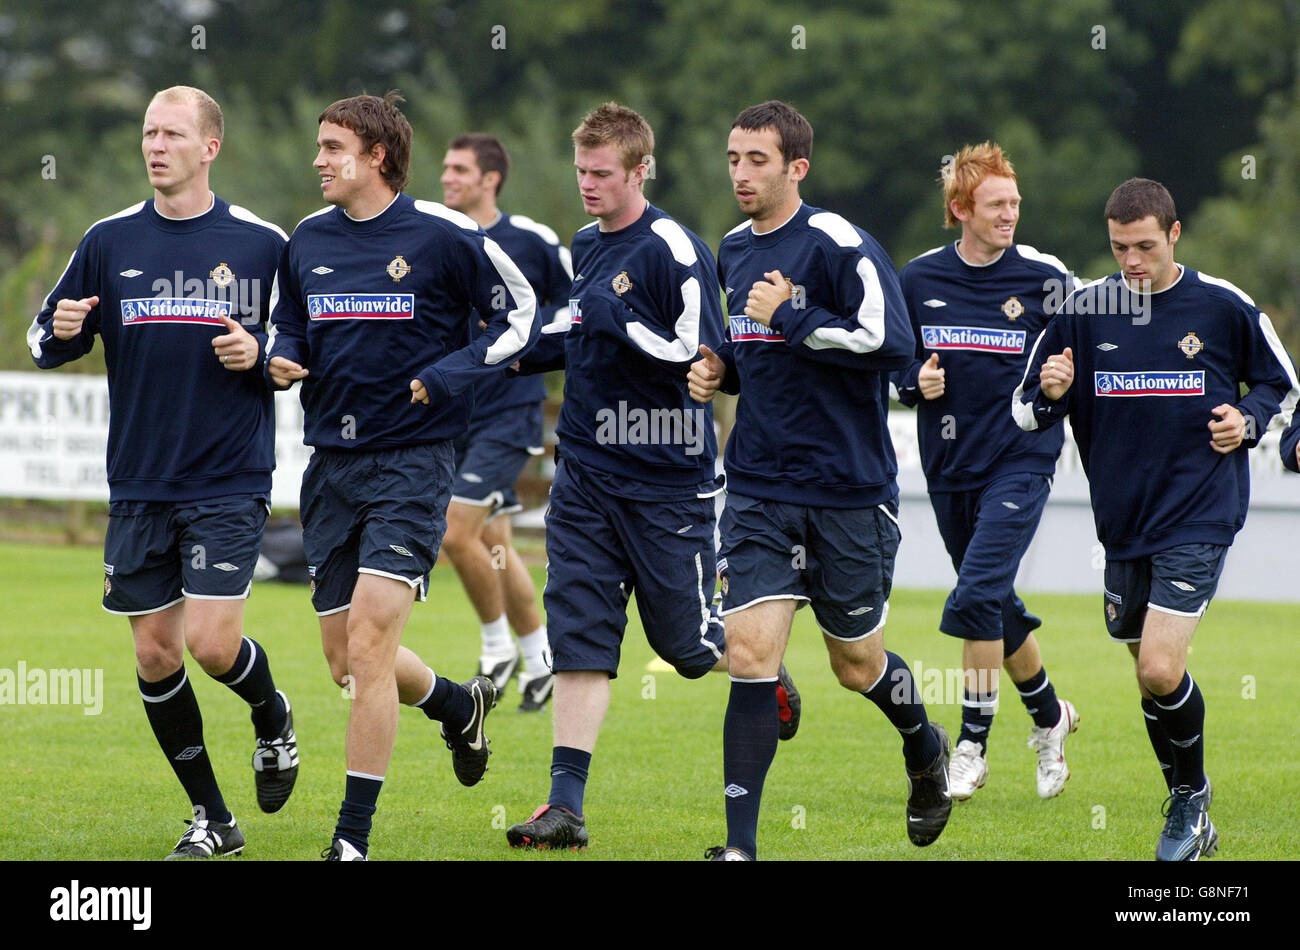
(270, 312)
(243, 214)
(512, 342)
(566, 261)
(561, 322)
(1288, 404)
(1022, 411)
(870, 334)
(687, 328)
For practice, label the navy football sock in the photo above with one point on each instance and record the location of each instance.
(896, 694)
(173, 712)
(360, 797)
(1182, 713)
(1039, 697)
(569, 769)
(977, 717)
(249, 678)
(1159, 741)
(749, 737)
(448, 703)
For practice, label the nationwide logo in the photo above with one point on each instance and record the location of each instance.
(982, 339)
(744, 329)
(361, 306)
(1150, 383)
(173, 310)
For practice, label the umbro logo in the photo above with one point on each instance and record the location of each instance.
(860, 611)
(731, 290)
(935, 302)
(225, 566)
(578, 278)
(131, 273)
(1107, 347)
(186, 754)
(471, 477)
(734, 791)
(685, 529)
(1011, 504)
(322, 270)
(400, 550)
(1183, 585)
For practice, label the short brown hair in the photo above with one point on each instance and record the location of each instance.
(211, 122)
(794, 132)
(377, 121)
(613, 124)
(966, 172)
(1140, 198)
(488, 151)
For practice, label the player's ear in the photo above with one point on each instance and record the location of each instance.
(958, 212)
(799, 169)
(1174, 231)
(377, 155)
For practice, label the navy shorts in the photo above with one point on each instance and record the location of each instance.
(382, 512)
(601, 549)
(157, 553)
(987, 531)
(1179, 580)
(840, 559)
(491, 456)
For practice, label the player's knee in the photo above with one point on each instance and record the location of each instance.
(750, 656)
(1160, 675)
(213, 653)
(858, 673)
(157, 661)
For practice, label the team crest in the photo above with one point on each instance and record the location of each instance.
(398, 268)
(726, 586)
(222, 275)
(108, 585)
(621, 284)
(1013, 308)
(1111, 612)
(1191, 345)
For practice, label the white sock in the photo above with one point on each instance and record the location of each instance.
(496, 638)
(533, 646)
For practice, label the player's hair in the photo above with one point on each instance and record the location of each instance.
(377, 121)
(1139, 198)
(211, 122)
(613, 124)
(966, 172)
(794, 133)
(488, 151)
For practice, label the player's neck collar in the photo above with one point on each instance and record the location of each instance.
(770, 231)
(372, 217)
(956, 246)
(212, 203)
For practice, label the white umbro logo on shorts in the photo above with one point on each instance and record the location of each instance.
(734, 791)
(131, 273)
(1011, 504)
(322, 270)
(936, 302)
(401, 550)
(860, 611)
(1183, 585)
(471, 477)
(225, 566)
(685, 529)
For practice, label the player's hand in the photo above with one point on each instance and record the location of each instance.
(1057, 374)
(765, 296)
(930, 378)
(284, 372)
(418, 392)
(237, 349)
(1228, 430)
(706, 375)
(69, 315)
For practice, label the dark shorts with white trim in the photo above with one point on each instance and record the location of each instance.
(158, 552)
(986, 532)
(381, 512)
(1180, 580)
(491, 456)
(602, 548)
(839, 559)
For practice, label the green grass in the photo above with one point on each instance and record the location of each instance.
(835, 792)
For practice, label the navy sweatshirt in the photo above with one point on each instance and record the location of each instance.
(811, 425)
(980, 320)
(643, 300)
(367, 306)
(1148, 368)
(181, 426)
(545, 262)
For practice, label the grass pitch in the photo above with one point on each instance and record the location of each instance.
(835, 792)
